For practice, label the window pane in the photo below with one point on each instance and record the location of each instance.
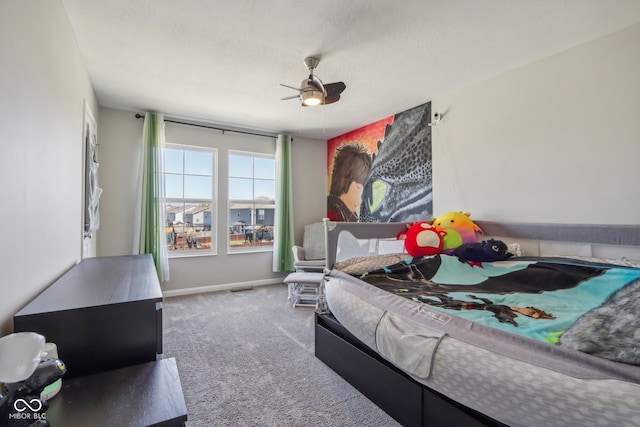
(265, 189)
(188, 227)
(240, 166)
(172, 160)
(251, 201)
(198, 163)
(189, 175)
(173, 186)
(197, 187)
(240, 189)
(265, 168)
(250, 225)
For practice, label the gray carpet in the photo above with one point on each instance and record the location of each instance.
(247, 359)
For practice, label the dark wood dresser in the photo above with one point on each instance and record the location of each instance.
(104, 313)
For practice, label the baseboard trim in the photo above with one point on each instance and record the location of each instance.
(222, 287)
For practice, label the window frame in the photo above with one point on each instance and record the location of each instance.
(251, 249)
(186, 200)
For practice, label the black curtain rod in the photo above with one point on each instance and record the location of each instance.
(140, 116)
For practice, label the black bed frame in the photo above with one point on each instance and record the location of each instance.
(406, 400)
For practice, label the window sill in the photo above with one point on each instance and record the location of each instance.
(249, 251)
(191, 255)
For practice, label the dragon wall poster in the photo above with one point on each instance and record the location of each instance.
(382, 172)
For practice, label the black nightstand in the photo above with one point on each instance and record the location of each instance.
(149, 394)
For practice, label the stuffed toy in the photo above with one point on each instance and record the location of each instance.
(485, 251)
(458, 229)
(422, 239)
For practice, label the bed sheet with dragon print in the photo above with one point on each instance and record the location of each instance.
(586, 306)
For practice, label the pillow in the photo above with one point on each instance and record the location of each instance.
(515, 249)
(363, 264)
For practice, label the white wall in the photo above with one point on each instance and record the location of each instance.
(120, 134)
(43, 83)
(555, 141)
(309, 163)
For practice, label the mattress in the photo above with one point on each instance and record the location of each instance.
(489, 371)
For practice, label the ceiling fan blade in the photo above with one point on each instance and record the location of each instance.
(291, 87)
(334, 89)
(330, 99)
(290, 97)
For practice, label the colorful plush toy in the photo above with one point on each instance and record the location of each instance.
(485, 251)
(458, 229)
(422, 239)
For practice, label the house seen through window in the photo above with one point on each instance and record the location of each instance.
(252, 193)
(190, 206)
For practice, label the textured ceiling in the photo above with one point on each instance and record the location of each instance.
(221, 61)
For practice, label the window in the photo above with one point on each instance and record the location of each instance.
(189, 181)
(252, 194)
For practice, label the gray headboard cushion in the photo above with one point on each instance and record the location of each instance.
(610, 234)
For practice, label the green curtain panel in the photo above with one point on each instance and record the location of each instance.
(284, 238)
(152, 238)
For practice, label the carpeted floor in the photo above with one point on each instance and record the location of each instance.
(247, 359)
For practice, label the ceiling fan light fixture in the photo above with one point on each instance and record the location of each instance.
(311, 98)
(312, 91)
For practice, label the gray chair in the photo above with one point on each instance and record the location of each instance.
(311, 256)
(309, 263)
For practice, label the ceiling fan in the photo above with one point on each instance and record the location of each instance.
(312, 91)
